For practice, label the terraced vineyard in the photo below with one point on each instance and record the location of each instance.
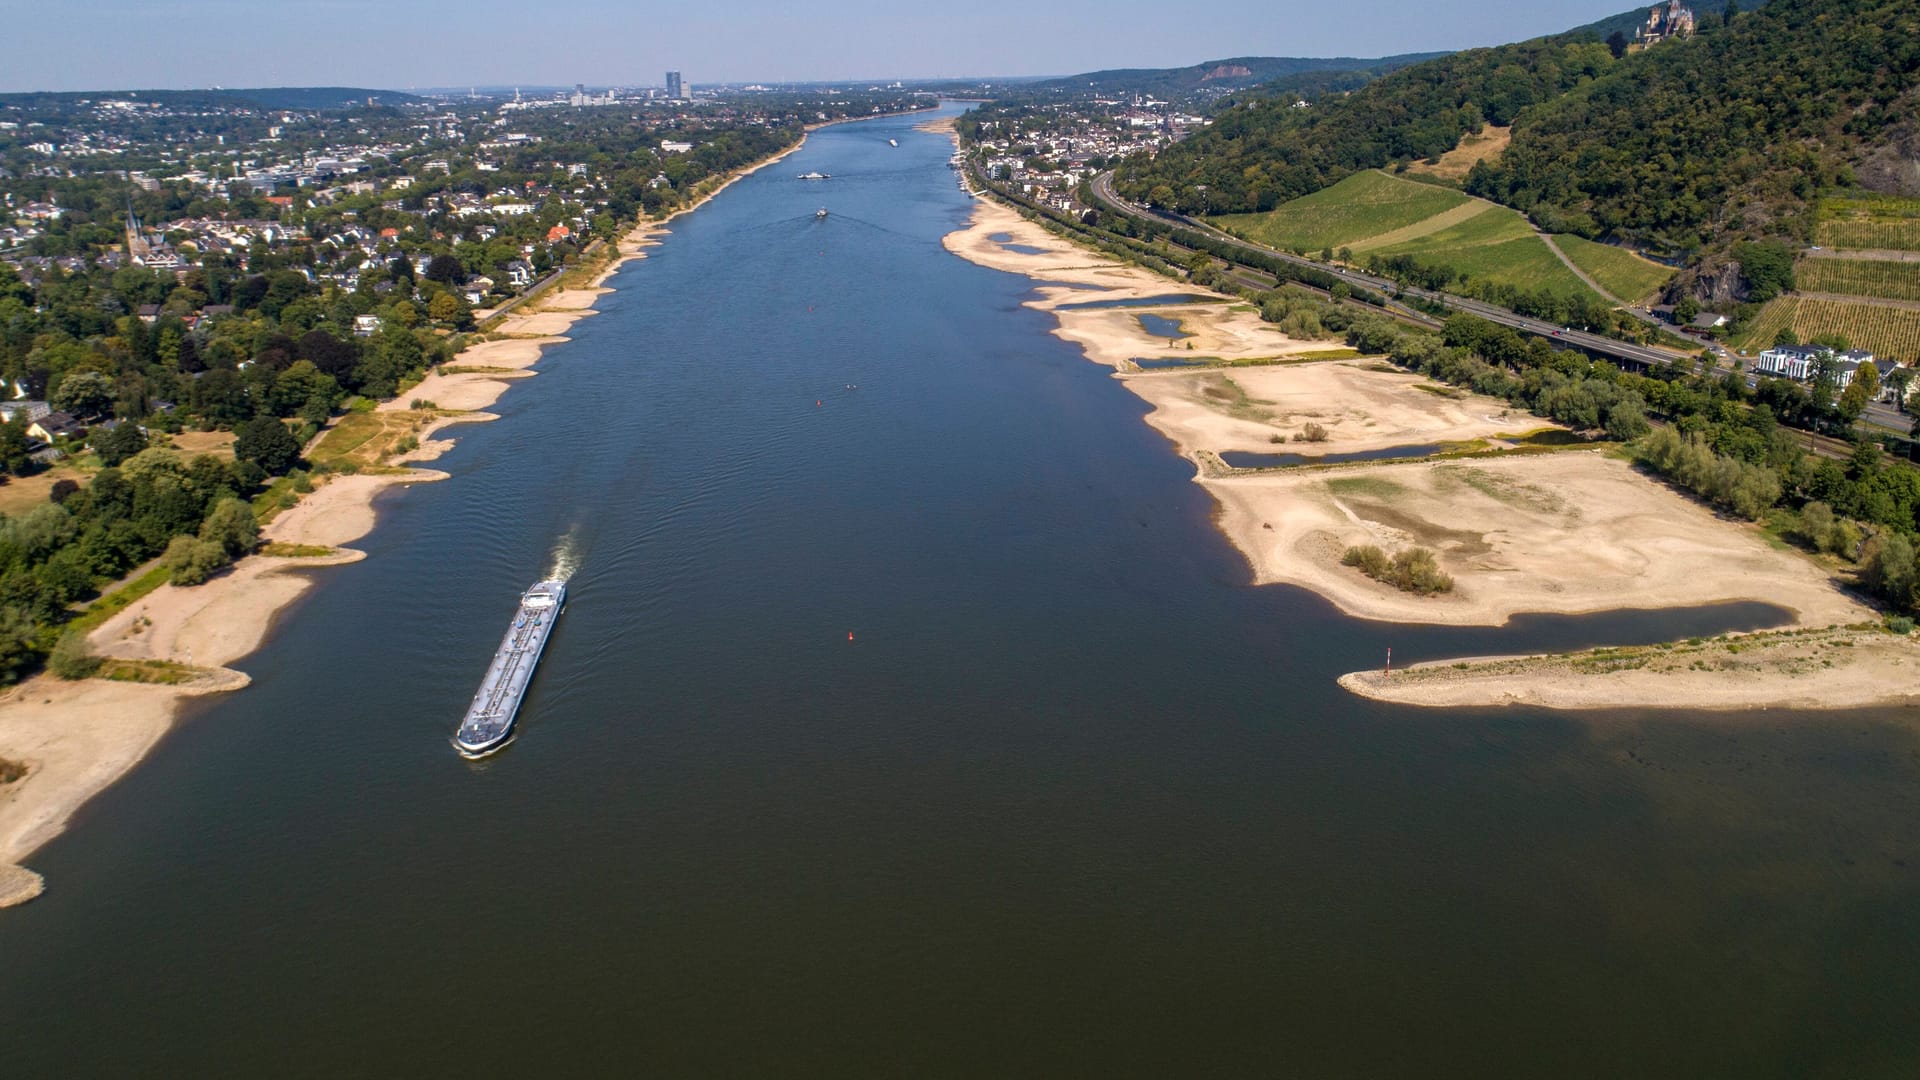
(1364, 205)
(1891, 333)
(1376, 214)
(1860, 277)
(1490, 248)
(1880, 222)
(1619, 271)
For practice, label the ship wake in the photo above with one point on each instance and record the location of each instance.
(566, 556)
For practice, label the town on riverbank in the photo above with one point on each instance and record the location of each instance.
(122, 664)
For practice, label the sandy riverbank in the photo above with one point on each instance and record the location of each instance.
(77, 738)
(1814, 668)
(1571, 531)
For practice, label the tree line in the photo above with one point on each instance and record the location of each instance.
(1718, 440)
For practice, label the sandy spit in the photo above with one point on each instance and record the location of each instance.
(1834, 668)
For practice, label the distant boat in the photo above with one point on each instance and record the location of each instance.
(893, 142)
(816, 176)
(820, 214)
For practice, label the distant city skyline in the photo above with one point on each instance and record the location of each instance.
(184, 44)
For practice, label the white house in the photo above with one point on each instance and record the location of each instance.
(1798, 362)
(1846, 364)
(23, 407)
(1789, 361)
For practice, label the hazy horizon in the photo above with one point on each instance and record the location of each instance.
(194, 44)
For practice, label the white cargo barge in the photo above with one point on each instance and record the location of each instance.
(489, 722)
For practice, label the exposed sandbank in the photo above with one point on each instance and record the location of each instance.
(1815, 668)
(1566, 532)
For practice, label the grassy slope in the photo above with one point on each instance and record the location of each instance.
(1456, 163)
(1363, 205)
(1619, 271)
(1495, 245)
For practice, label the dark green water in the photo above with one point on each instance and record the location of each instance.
(1075, 801)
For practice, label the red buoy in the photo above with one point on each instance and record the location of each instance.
(849, 635)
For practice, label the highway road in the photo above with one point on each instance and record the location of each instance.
(1883, 415)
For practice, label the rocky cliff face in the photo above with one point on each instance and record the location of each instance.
(1713, 284)
(1893, 167)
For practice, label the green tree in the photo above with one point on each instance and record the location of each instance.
(71, 658)
(233, 527)
(300, 386)
(444, 308)
(85, 394)
(1627, 421)
(266, 442)
(119, 443)
(446, 270)
(1768, 268)
(14, 441)
(190, 561)
(1889, 569)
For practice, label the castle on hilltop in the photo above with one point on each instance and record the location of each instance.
(1668, 21)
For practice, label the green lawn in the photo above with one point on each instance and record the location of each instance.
(1619, 271)
(1363, 205)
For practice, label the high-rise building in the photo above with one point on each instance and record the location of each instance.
(675, 89)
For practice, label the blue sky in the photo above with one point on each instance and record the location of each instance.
(397, 44)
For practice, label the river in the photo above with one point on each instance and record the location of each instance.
(909, 717)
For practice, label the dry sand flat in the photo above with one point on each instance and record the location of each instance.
(1360, 407)
(1116, 336)
(1830, 668)
(1567, 533)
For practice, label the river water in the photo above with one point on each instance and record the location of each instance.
(908, 717)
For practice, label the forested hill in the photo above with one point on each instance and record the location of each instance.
(1688, 145)
(1729, 134)
(1260, 154)
(1628, 21)
(299, 98)
(1232, 74)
